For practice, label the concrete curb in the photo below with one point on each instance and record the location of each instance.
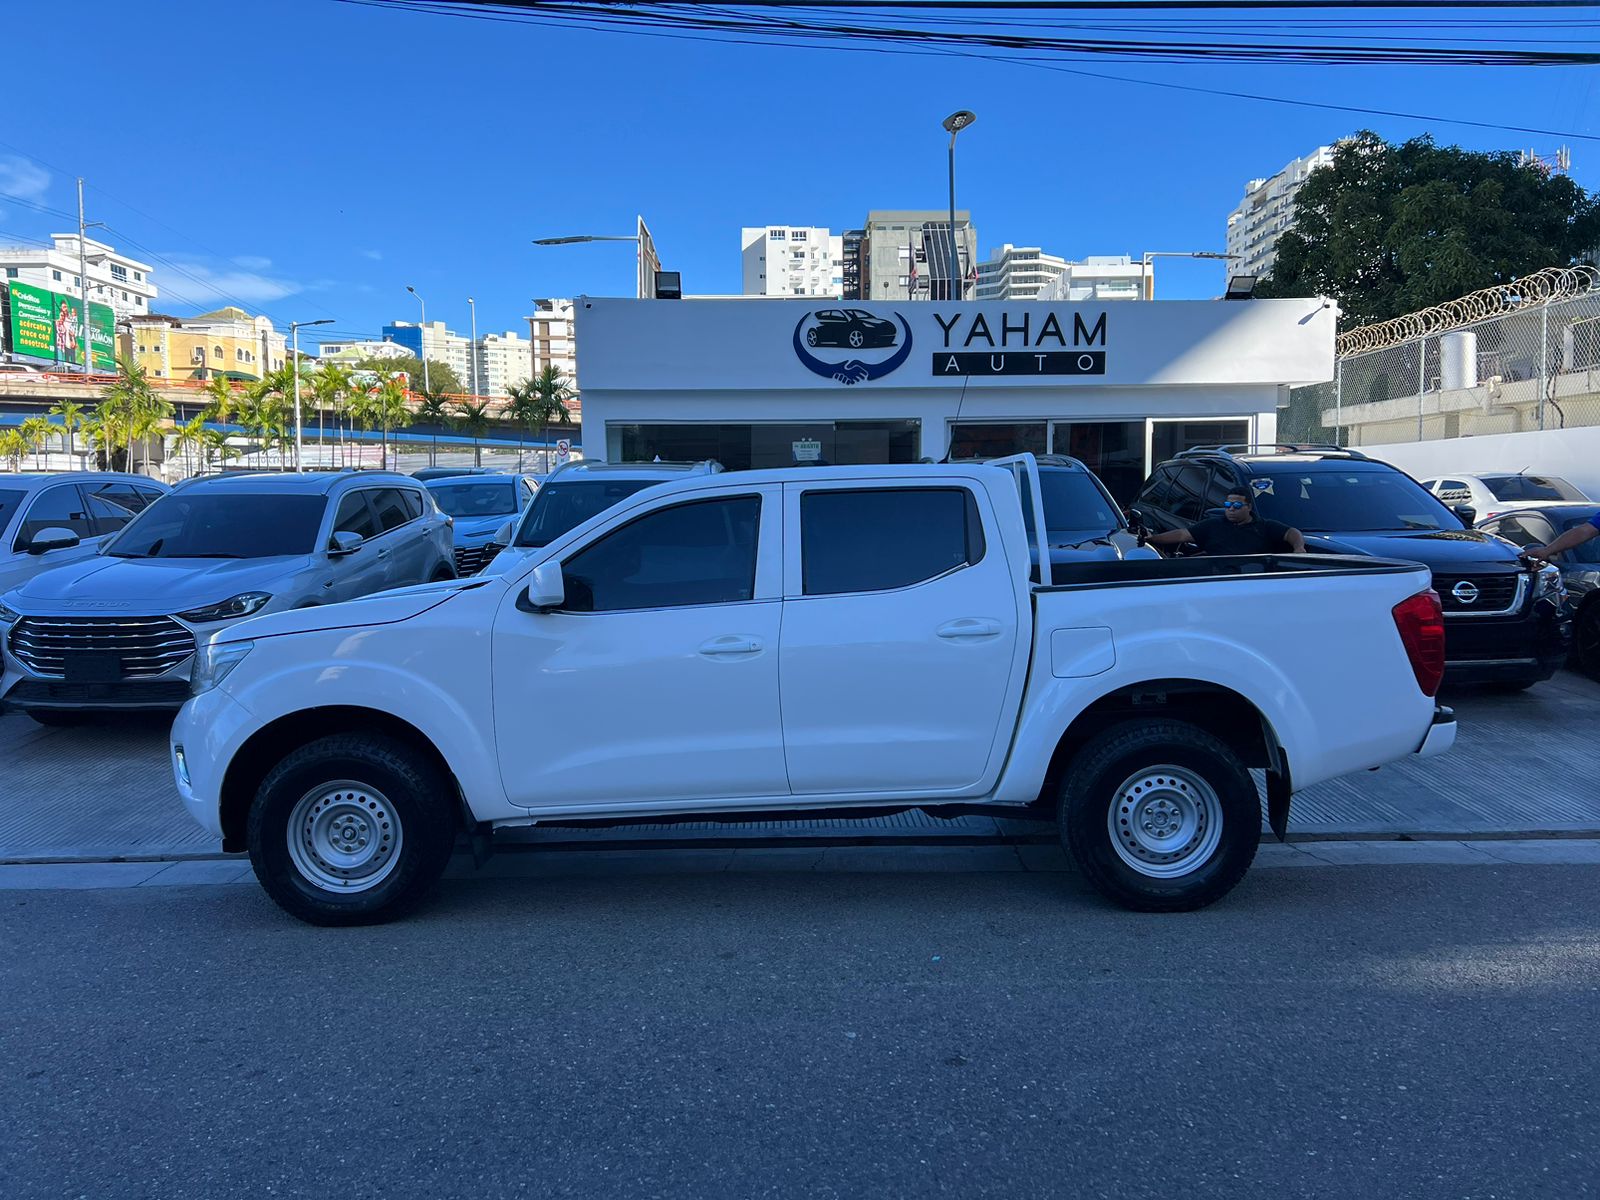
(235, 870)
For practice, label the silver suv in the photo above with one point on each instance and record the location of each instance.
(118, 630)
(48, 520)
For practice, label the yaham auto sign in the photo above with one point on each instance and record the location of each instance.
(46, 328)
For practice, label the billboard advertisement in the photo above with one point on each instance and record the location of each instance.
(48, 327)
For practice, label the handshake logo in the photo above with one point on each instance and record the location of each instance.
(857, 331)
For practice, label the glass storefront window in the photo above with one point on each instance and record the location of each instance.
(742, 447)
(1113, 450)
(1168, 439)
(989, 439)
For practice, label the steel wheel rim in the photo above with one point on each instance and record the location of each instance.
(1165, 821)
(344, 837)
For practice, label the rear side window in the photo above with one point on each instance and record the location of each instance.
(391, 508)
(355, 516)
(875, 539)
(1156, 492)
(113, 505)
(413, 503)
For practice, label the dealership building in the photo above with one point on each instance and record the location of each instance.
(764, 383)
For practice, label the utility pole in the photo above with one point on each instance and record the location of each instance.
(83, 287)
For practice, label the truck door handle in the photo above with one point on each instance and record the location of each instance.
(968, 629)
(730, 645)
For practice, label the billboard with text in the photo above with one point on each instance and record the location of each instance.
(47, 327)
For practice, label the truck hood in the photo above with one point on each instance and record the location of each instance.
(147, 586)
(380, 608)
(1457, 550)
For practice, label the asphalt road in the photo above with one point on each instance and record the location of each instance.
(1413, 1031)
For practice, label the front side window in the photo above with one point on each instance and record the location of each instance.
(699, 553)
(876, 539)
(113, 505)
(1524, 530)
(55, 508)
(197, 523)
(355, 516)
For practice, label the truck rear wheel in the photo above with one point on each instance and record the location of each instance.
(1160, 816)
(351, 830)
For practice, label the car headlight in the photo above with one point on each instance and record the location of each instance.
(7, 615)
(1547, 582)
(213, 662)
(241, 605)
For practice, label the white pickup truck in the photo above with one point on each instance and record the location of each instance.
(837, 638)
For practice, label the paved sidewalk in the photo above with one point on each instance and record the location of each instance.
(1522, 766)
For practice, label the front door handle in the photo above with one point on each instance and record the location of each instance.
(384, 552)
(730, 646)
(967, 629)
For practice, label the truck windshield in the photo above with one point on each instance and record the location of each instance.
(1074, 509)
(194, 524)
(563, 506)
(1531, 487)
(498, 499)
(1375, 501)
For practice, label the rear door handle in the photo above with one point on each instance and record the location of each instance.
(967, 629)
(730, 646)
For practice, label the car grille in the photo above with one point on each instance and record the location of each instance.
(472, 559)
(134, 647)
(1496, 593)
(161, 693)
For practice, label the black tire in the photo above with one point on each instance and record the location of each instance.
(58, 718)
(1586, 639)
(1122, 754)
(812, 338)
(411, 792)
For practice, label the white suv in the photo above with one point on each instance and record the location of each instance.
(1491, 495)
(573, 493)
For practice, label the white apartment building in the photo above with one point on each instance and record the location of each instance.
(554, 338)
(1267, 212)
(346, 353)
(504, 360)
(1100, 277)
(434, 341)
(792, 260)
(1017, 273)
(121, 283)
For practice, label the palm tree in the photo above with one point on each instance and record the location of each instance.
(191, 437)
(433, 409)
(392, 407)
(329, 385)
(474, 419)
(222, 402)
(128, 395)
(543, 401)
(13, 447)
(36, 432)
(72, 417)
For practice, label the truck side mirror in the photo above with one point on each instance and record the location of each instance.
(545, 591)
(53, 538)
(1466, 512)
(502, 536)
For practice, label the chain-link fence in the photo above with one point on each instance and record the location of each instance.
(1525, 356)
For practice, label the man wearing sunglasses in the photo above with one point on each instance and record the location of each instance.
(1237, 531)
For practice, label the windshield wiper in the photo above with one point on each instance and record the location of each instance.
(216, 555)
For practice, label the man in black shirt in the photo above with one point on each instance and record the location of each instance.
(1237, 531)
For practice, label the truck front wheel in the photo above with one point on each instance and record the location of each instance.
(1160, 816)
(351, 829)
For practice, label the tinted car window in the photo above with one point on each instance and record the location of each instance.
(9, 503)
(1531, 487)
(391, 508)
(873, 539)
(478, 499)
(1524, 530)
(355, 516)
(113, 505)
(562, 507)
(1074, 507)
(1188, 499)
(194, 524)
(1342, 501)
(1156, 492)
(698, 553)
(59, 507)
(414, 502)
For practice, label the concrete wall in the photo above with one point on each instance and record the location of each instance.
(1573, 454)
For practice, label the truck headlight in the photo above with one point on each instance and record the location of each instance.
(213, 663)
(231, 609)
(1547, 583)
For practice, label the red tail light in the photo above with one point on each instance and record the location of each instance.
(1420, 621)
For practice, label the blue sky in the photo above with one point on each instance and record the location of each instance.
(309, 159)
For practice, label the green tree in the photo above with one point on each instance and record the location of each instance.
(72, 417)
(329, 386)
(392, 408)
(13, 448)
(36, 432)
(542, 401)
(433, 410)
(441, 379)
(128, 403)
(474, 418)
(191, 442)
(1389, 229)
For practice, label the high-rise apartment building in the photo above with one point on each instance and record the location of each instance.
(504, 360)
(1017, 273)
(1266, 213)
(792, 260)
(434, 341)
(553, 331)
(121, 283)
(1101, 277)
(909, 254)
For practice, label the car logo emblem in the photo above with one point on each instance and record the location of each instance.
(1465, 592)
(859, 334)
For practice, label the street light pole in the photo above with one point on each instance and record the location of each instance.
(955, 123)
(605, 237)
(299, 438)
(472, 346)
(422, 341)
(1147, 282)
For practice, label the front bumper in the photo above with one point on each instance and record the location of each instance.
(1525, 649)
(208, 733)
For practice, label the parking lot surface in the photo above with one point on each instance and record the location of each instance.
(1416, 1031)
(1522, 764)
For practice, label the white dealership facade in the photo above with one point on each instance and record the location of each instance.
(1119, 385)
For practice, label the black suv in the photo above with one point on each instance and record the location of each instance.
(1504, 625)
